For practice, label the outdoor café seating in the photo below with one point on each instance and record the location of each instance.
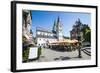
(64, 45)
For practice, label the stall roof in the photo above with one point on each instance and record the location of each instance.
(65, 41)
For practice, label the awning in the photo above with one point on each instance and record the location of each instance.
(65, 41)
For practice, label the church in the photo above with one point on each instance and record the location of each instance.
(44, 36)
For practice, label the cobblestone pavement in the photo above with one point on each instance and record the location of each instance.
(51, 55)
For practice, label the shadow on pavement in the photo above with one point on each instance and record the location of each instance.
(62, 58)
(58, 49)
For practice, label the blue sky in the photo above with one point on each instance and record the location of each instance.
(46, 20)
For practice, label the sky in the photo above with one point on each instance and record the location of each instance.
(46, 20)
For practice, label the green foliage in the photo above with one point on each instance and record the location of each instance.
(66, 37)
(86, 33)
(39, 51)
(25, 54)
(23, 39)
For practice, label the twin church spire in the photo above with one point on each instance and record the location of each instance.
(57, 27)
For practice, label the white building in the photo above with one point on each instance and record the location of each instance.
(44, 36)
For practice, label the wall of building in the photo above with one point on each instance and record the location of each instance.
(43, 42)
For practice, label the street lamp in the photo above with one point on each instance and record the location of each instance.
(79, 45)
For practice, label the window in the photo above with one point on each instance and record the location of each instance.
(38, 32)
(40, 39)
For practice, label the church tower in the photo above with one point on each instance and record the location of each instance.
(54, 27)
(59, 32)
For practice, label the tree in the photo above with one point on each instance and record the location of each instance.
(65, 37)
(86, 33)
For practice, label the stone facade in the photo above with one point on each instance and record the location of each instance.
(26, 28)
(76, 30)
